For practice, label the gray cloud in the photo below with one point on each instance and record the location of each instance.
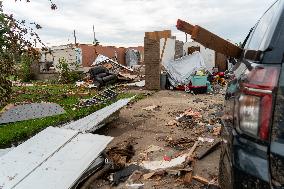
(123, 22)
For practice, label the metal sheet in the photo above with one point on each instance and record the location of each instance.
(65, 168)
(17, 164)
(90, 123)
(5, 151)
(30, 111)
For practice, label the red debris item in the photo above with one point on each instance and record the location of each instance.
(167, 158)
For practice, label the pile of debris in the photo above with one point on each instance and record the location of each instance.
(175, 160)
(107, 71)
(45, 157)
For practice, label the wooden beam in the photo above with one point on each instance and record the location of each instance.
(209, 40)
(184, 26)
(157, 35)
(215, 42)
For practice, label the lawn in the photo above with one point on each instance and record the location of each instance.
(65, 95)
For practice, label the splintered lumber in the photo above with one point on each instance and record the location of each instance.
(192, 149)
(201, 179)
(209, 40)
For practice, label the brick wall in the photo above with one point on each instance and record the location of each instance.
(152, 63)
(178, 49)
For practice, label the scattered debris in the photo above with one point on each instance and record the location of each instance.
(135, 186)
(217, 130)
(173, 123)
(136, 175)
(137, 84)
(153, 148)
(204, 139)
(180, 143)
(148, 175)
(122, 175)
(201, 179)
(115, 66)
(29, 111)
(101, 98)
(155, 165)
(187, 178)
(120, 155)
(164, 164)
(209, 150)
(152, 108)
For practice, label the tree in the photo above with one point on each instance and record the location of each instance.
(16, 39)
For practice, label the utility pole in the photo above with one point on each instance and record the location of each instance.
(94, 42)
(75, 37)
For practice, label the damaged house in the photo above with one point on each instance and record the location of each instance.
(84, 55)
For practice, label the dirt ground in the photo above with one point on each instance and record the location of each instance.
(145, 128)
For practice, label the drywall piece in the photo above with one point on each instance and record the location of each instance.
(154, 165)
(167, 49)
(30, 111)
(92, 122)
(137, 84)
(17, 164)
(67, 166)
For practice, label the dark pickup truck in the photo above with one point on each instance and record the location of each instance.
(252, 152)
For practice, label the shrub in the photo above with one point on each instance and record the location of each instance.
(68, 72)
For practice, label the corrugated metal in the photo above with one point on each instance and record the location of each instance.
(54, 158)
(91, 123)
(64, 168)
(24, 159)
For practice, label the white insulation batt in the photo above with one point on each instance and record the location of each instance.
(54, 158)
(181, 70)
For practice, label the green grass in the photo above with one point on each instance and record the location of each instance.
(65, 95)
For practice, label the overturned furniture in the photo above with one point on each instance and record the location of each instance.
(101, 76)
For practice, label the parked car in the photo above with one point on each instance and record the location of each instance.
(252, 152)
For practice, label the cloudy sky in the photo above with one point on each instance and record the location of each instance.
(123, 22)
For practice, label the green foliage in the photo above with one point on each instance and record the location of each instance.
(13, 133)
(16, 38)
(68, 72)
(13, 44)
(24, 72)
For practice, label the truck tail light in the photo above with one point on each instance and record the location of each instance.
(249, 113)
(254, 110)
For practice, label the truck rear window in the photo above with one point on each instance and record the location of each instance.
(264, 29)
